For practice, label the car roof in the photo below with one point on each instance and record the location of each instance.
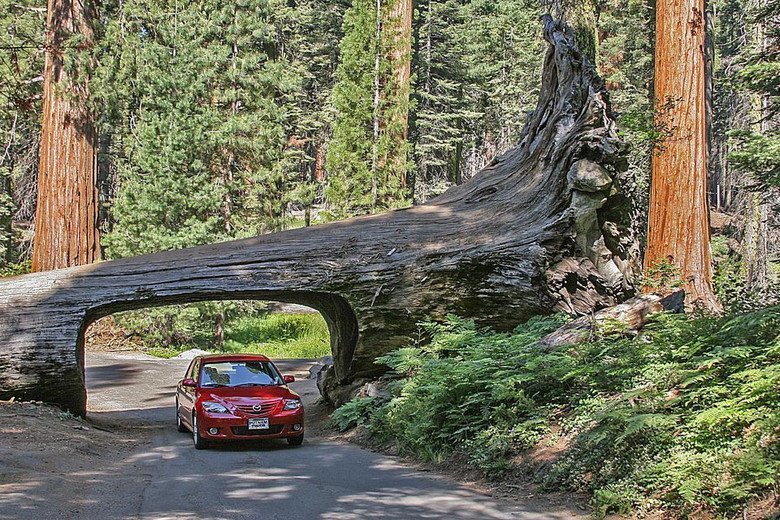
(234, 357)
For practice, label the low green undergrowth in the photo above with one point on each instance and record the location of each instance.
(280, 335)
(684, 417)
(283, 335)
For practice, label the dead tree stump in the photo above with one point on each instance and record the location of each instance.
(539, 230)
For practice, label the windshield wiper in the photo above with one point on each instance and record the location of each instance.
(249, 384)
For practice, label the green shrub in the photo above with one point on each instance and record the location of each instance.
(356, 412)
(14, 269)
(280, 335)
(167, 331)
(685, 416)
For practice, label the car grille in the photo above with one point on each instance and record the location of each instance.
(265, 408)
(243, 430)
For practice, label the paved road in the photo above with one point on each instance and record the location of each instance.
(165, 477)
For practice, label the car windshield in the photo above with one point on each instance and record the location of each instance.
(239, 373)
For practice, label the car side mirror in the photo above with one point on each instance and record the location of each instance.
(288, 379)
(188, 383)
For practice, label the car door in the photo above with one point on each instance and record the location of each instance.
(188, 395)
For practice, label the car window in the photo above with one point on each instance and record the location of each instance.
(190, 370)
(240, 373)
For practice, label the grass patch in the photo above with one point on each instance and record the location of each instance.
(279, 336)
(166, 352)
(684, 418)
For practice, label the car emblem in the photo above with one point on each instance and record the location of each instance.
(257, 407)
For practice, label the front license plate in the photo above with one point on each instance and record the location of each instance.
(258, 424)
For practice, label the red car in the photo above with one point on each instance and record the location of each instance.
(237, 396)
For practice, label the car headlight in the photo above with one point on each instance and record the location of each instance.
(292, 404)
(212, 407)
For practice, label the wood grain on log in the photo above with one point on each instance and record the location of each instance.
(630, 316)
(538, 231)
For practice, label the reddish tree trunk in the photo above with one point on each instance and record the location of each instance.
(396, 35)
(678, 228)
(66, 232)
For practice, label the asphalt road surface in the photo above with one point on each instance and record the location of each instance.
(165, 477)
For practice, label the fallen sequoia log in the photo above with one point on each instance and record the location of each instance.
(627, 318)
(540, 230)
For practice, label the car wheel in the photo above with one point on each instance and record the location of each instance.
(199, 442)
(295, 441)
(179, 425)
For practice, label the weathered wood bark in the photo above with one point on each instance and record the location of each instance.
(66, 216)
(630, 316)
(537, 231)
(678, 229)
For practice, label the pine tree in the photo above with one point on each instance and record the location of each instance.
(204, 154)
(349, 159)
(758, 150)
(367, 156)
(477, 66)
(307, 34)
(440, 107)
(625, 61)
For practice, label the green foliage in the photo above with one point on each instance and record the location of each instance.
(685, 417)
(172, 330)
(21, 62)
(355, 412)
(625, 61)
(350, 159)
(758, 154)
(478, 65)
(196, 97)
(463, 391)
(6, 213)
(176, 327)
(280, 335)
(367, 154)
(663, 275)
(13, 269)
(756, 149)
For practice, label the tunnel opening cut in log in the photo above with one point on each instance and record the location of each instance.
(542, 229)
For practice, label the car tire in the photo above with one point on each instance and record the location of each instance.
(295, 441)
(199, 442)
(179, 424)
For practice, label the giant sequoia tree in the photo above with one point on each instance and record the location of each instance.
(66, 231)
(540, 230)
(678, 230)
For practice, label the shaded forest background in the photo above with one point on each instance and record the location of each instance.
(221, 120)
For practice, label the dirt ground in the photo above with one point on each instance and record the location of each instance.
(51, 445)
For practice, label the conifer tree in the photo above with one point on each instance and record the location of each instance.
(477, 66)
(678, 229)
(66, 215)
(203, 156)
(367, 156)
(22, 36)
(308, 33)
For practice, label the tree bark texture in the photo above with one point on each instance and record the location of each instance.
(400, 42)
(538, 231)
(627, 318)
(66, 216)
(678, 229)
